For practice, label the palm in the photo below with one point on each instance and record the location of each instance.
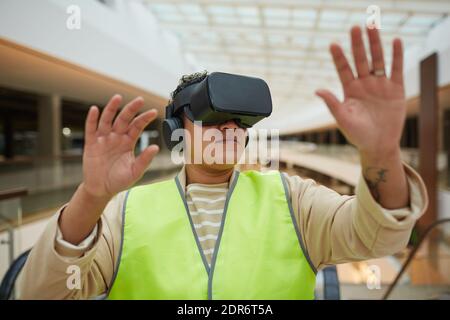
(367, 105)
(374, 107)
(109, 164)
(112, 159)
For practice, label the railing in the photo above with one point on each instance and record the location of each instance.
(10, 215)
(412, 255)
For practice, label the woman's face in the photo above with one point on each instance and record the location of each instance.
(217, 146)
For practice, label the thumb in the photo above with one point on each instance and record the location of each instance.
(143, 160)
(333, 104)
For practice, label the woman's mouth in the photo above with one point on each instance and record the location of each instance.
(230, 140)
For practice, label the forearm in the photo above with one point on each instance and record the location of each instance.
(81, 215)
(49, 274)
(339, 229)
(386, 178)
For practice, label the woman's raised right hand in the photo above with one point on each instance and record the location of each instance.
(109, 163)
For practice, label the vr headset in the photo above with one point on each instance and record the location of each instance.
(218, 98)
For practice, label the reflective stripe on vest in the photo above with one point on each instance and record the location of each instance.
(259, 253)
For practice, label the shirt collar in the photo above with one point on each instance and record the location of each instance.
(182, 176)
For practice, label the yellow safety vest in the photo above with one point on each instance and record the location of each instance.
(259, 253)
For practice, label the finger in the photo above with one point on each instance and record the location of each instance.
(359, 53)
(91, 124)
(143, 160)
(376, 49)
(397, 62)
(333, 104)
(127, 114)
(342, 67)
(140, 122)
(104, 126)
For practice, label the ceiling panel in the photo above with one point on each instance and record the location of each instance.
(286, 41)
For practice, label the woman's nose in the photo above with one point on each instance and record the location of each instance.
(230, 124)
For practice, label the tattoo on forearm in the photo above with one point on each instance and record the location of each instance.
(374, 176)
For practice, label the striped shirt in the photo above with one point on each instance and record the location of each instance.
(206, 204)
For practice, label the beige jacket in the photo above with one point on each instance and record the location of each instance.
(334, 229)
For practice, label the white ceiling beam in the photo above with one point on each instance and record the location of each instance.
(267, 55)
(386, 6)
(320, 55)
(244, 48)
(277, 71)
(291, 32)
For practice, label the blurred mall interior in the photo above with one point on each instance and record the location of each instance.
(52, 71)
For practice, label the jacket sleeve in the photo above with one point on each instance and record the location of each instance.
(58, 270)
(337, 228)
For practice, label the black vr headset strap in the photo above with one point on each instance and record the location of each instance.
(173, 121)
(183, 98)
(169, 125)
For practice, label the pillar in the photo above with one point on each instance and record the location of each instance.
(428, 135)
(49, 126)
